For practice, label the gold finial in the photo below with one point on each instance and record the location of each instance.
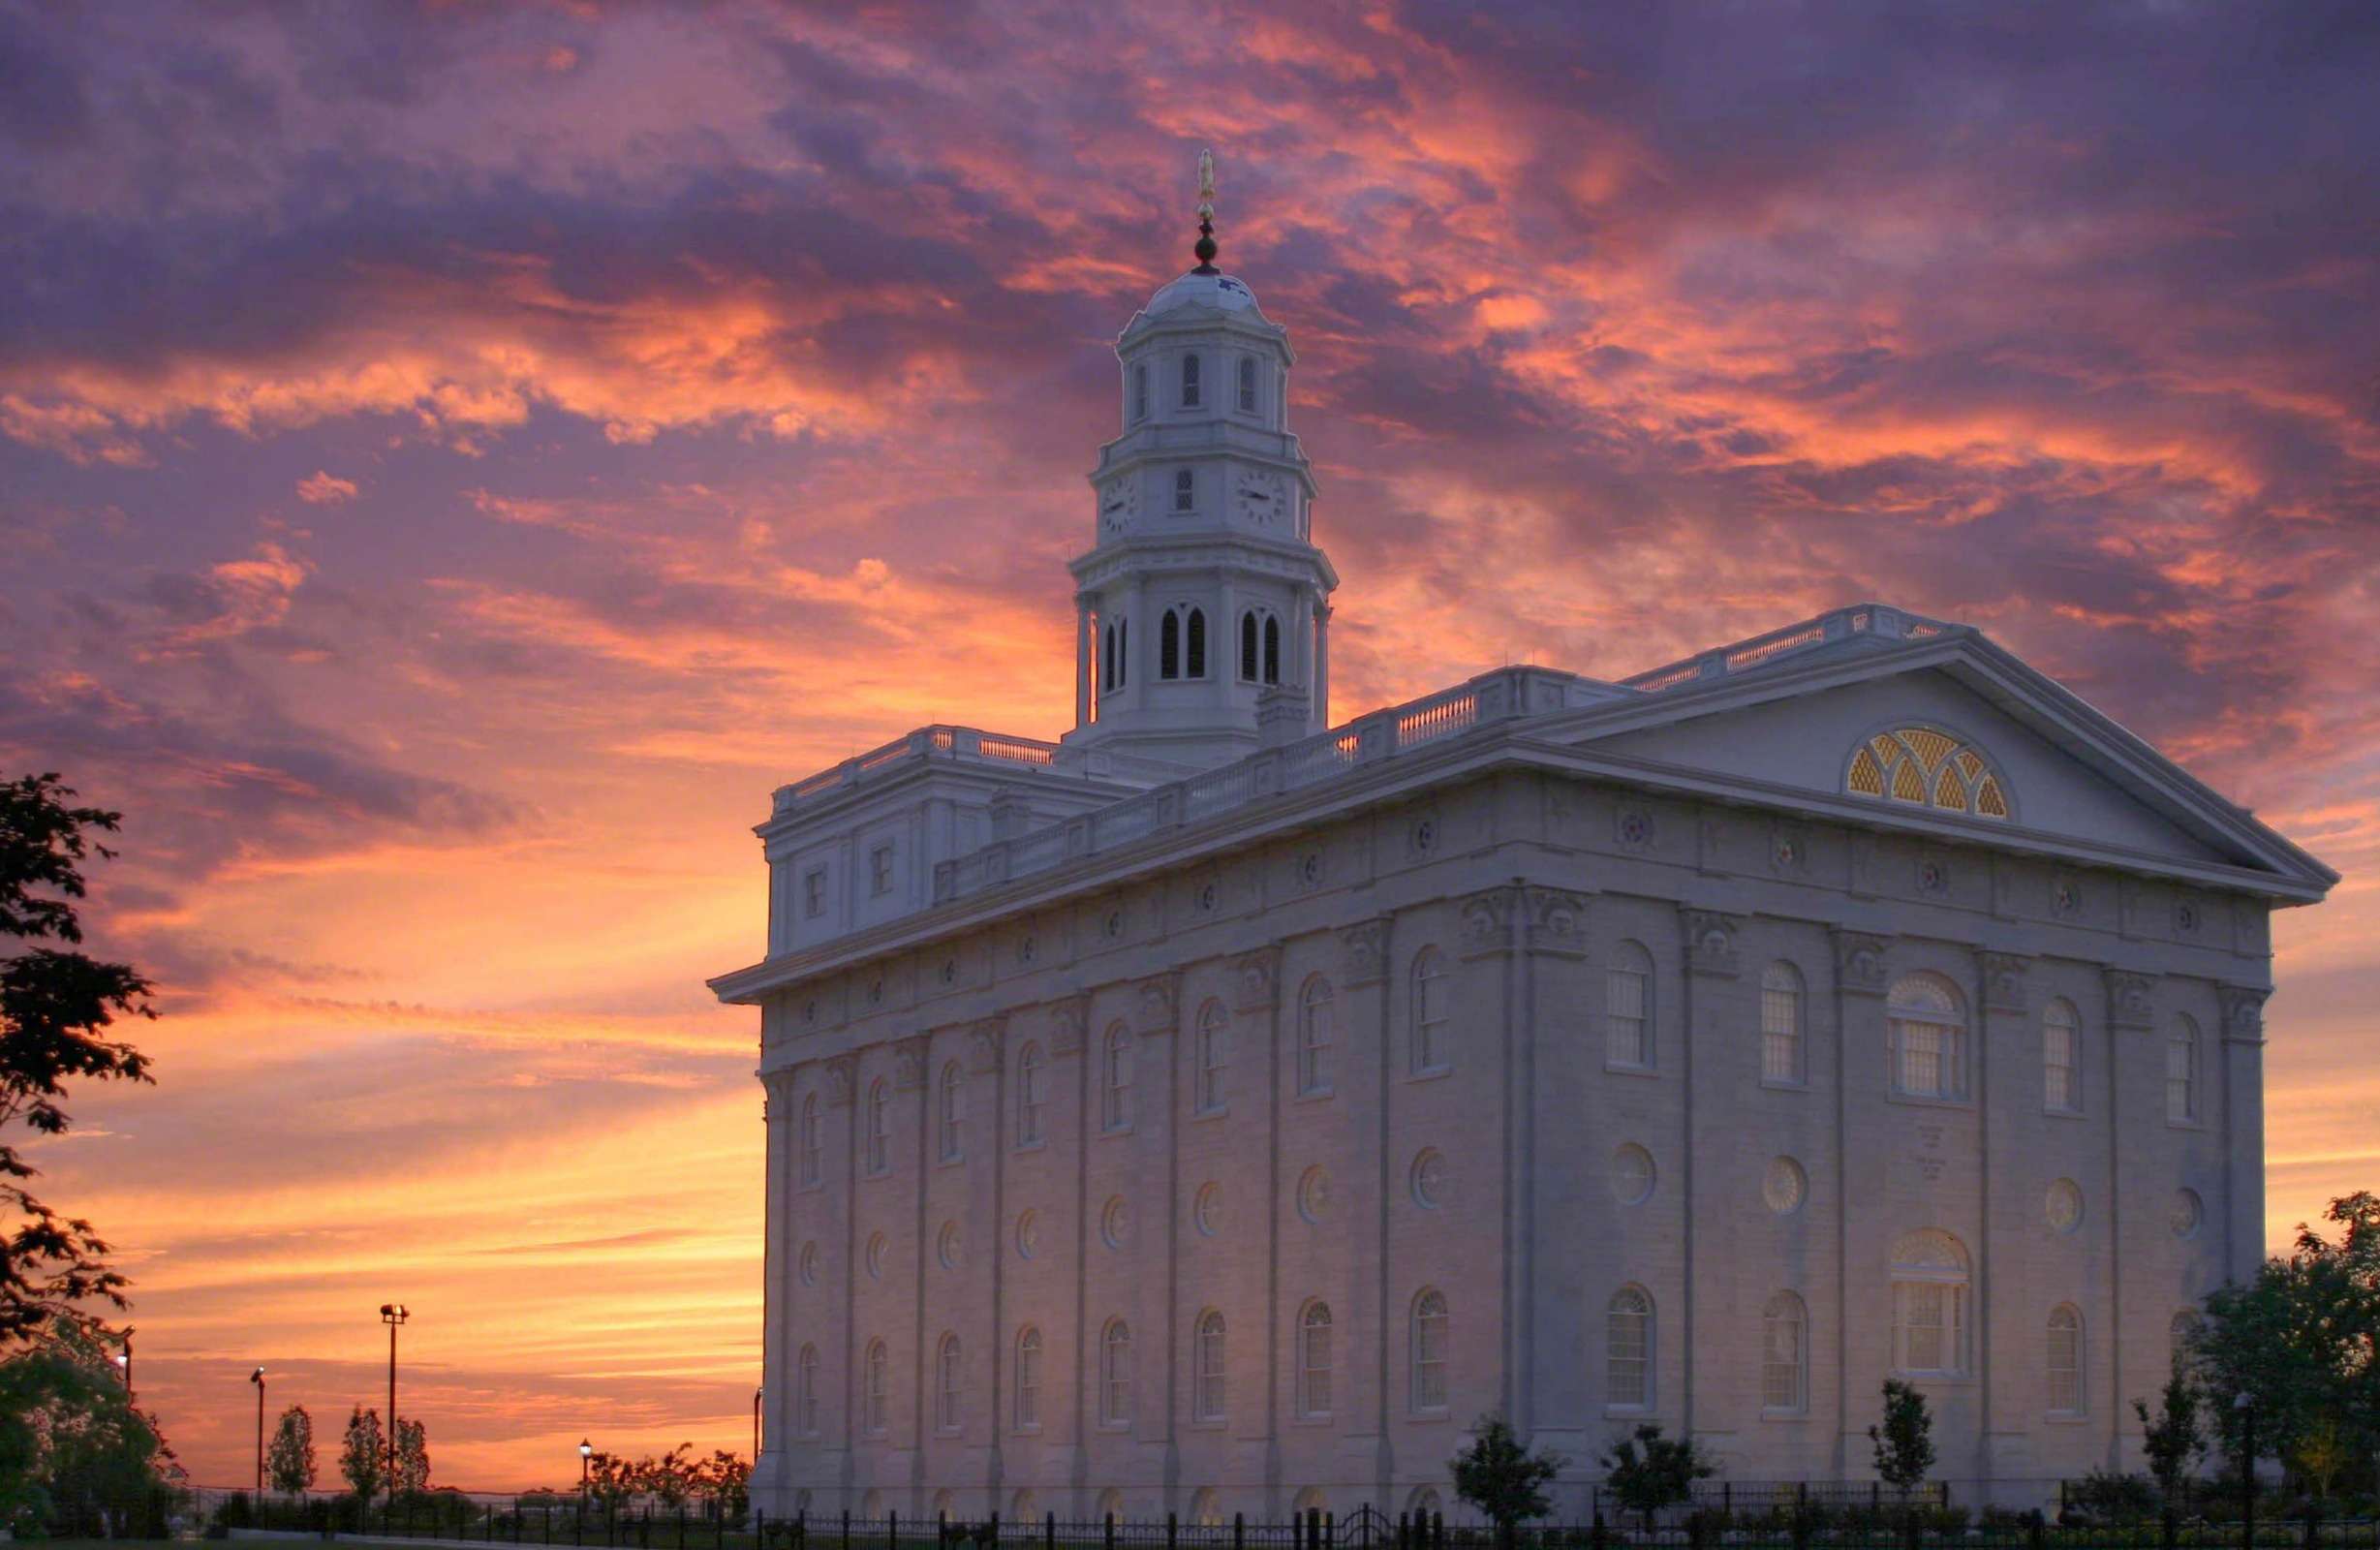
(1205, 248)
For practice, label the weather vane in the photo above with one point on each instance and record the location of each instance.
(1206, 214)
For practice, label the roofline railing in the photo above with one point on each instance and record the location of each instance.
(1756, 651)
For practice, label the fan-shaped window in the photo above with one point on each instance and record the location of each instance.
(877, 1374)
(1316, 1031)
(1627, 1350)
(1195, 634)
(1781, 1023)
(1248, 384)
(1189, 381)
(1428, 1044)
(1272, 649)
(814, 1143)
(1116, 1079)
(1247, 648)
(2181, 1073)
(1214, 1052)
(2062, 1045)
(1207, 1369)
(1428, 1344)
(1028, 1095)
(1928, 1026)
(1314, 1360)
(1170, 645)
(1784, 1357)
(953, 1111)
(950, 1375)
(1116, 1374)
(806, 1392)
(1627, 1004)
(1926, 768)
(2065, 1361)
(880, 1126)
(1929, 1320)
(1029, 1379)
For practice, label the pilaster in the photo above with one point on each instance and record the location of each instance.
(2004, 1432)
(2244, 1129)
(1714, 1014)
(1861, 1231)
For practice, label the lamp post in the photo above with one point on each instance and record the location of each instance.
(756, 1428)
(258, 1378)
(2243, 1404)
(586, 1453)
(392, 1314)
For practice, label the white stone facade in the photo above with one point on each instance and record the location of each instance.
(1580, 1052)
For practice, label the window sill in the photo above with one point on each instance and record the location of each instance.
(1783, 1417)
(1950, 1379)
(1615, 1069)
(1928, 1100)
(1778, 1084)
(2185, 1125)
(1114, 1132)
(1323, 1419)
(1025, 1429)
(1221, 1111)
(1428, 1417)
(2064, 1113)
(1314, 1095)
(877, 1173)
(1429, 1073)
(1031, 1146)
(959, 1160)
(1628, 1409)
(1116, 1428)
(1208, 1424)
(2065, 1419)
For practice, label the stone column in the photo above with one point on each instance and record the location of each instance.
(908, 1075)
(777, 1111)
(1158, 1021)
(1550, 923)
(1863, 1309)
(2005, 1334)
(1322, 664)
(1086, 659)
(2243, 1129)
(986, 1042)
(2131, 1010)
(1255, 1000)
(1715, 1017)
(842, 1074)
(1490, 933)
(1363, 973)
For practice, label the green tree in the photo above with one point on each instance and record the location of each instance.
(1904, 1441)
(75, 1457)
(2173, 1440)
(363, 1454)
(1646, 1472)
(2301, 1340)
(413, 1457)
(724, 1478)
(289, 1459)
(1502, 1477)
(55, 1004)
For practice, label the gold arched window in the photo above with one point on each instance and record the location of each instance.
(1927, 768)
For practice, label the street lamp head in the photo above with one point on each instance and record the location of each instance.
(120, 1359)
(257, 1378)
(392, 1313)
(586, 1450)
(2243, 1401)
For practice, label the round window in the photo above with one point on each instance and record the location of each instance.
(1115, 1222)
(1207, 1210)
(810, 1264)
(2188, 1212)
(875, 1256)
(1028, 1234)
(1784, 1187)
(1313, 1194)
(1632, 1175)
(2063, 1207)
(946, 1247)
(1430, 1179)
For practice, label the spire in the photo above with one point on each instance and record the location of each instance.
(1205, 248)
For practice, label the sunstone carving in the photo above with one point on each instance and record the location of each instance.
(1556, 921)
(839, 1076)
(1158, 1004)
(2003, 980)
(2131, 998)
(1364, 952)
(1711, 941)
(1487, 921)
(1859, 963)
(983, 1045)
(1256, 979)
(2243, 1013)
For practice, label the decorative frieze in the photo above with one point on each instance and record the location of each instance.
(1364, 952)
(2243, 1013)
(839, 1072)
(985, 1041)
(1711, 942)
(1256, 980)
(1486, 922)
(908, 1058)
(1556, 921)
(2003, 982)
(1157, 1004)
(2131, 1000)
(1066, 1024)
(1859, 963)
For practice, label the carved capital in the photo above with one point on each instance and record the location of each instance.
(839, 1073)
(2003, 980)
(908, 1058)
(1556, 921)
(1859, 963)
(1711, 942)
(779, 1086)
(1487, 918)
(1256, 980)
(1156, 1005)
(2244, 1014)
(1364, 951)
(983, 1045)
(2131, 1000)
(1066, 1024)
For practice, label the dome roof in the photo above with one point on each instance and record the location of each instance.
(1212, 289)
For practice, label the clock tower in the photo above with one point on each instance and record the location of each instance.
(1203, 606)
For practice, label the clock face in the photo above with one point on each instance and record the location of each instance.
(1119, 504)
(1260, 498)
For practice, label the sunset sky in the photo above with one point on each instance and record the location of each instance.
(455, 460)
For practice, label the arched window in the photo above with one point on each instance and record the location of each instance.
(2062, 1044)
(1024, 1506)
(880, 1126)
(1316, 1013)
(806, 1392)
(1423, 1502)
(1247, 648)
(1116, 1374)
(1028, 1095)
(1248, 384)
(876, 1370)
(1029, 1379)
(1206, 1508)
(1930, 1281)
(1428, 1344)
(1928, 1023)
(1310, 1500)
(1107, 658)
(946, 1504)
(1628, 1008)
(950, 1376)
(872, 1504)
(1214, 1052)
(814, 1143)
(1185, 490)
(1141, 392)
(1116, 1079)
(1314, 1360)
(1111, 1505)
(2181, 1073)
(1927, 768)
(1195, 634)
(1781, 1024)
(1207, 1369)
(1627, 1350)
(953, 1111)
(2065, 1361)
(1170, 645)
(1189, 381)
(1784, 1358)
(1429, 1052)
(1272, 649)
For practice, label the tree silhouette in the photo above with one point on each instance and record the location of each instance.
(289, 1460)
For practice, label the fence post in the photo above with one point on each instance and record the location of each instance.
(1171, 1529)
(847, 1529)
(1239, 1530)
(892, 1530)
(1107, 1531)
(1049, 1529)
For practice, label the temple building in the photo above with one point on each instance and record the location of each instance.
(1219, 1109)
